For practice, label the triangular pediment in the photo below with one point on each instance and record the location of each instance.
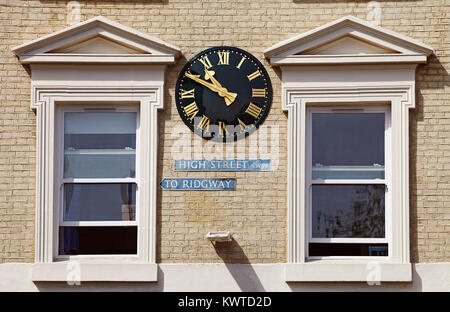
(347, 45)
(98, 40)
(98, 45)
(348, 41)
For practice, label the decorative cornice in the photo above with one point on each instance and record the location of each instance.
(41, 94)
(297, 95)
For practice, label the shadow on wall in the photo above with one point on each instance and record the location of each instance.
(232, 255)
(431, 80)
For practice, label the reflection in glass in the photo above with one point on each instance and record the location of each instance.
(100, 202)
(348, 249)
(97, 240)
(99, 145)
(348, 145)
(348, 211)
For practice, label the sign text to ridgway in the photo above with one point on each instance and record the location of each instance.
(198, 184)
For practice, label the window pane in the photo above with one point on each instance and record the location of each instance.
(347, 172)
(348, 211)
(367, 250)
(97, 240)
(348, 145)
(100, 202)
(99, 145)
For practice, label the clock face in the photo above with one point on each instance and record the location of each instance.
(223, 93)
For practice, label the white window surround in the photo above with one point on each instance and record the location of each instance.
(116, 77)
(334, 74)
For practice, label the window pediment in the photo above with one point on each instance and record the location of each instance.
(97, 40)
(348, 41)
(347, 45)
(98, 45)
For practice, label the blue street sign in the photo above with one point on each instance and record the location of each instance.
(198, 184)
(222, 165)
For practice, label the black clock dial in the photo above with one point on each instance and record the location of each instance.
(223, 93)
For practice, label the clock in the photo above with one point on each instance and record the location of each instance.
(223, 93)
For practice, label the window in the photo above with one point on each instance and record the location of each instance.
(107, 73)
(348, 181)
(98, 177)
(319, 69)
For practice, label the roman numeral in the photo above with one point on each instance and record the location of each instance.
(187, 94)
(224, 58)
(259, 92)
(204, 123)
(254, 75)
(191, 110)
(222, 129)
(242, 124)
(240, 63)
(253, 110)
(205, 61)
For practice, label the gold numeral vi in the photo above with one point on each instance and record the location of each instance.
(223, 128)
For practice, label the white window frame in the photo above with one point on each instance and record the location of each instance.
(61, 109)
(386, 181)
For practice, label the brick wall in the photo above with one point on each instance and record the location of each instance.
(256, 211)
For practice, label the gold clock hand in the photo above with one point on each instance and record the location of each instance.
(228, 96)
(202, 82)
(209, 75)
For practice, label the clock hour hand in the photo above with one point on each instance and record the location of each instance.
(209, 75)
(228, 96)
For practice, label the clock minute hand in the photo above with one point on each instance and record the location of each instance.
(196, 78)
(228, 96)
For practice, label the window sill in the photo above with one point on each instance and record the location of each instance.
(94, 272)
(348, 272)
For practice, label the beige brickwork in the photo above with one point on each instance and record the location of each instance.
(256, 211)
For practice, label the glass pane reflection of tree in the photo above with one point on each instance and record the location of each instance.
(348, 211)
